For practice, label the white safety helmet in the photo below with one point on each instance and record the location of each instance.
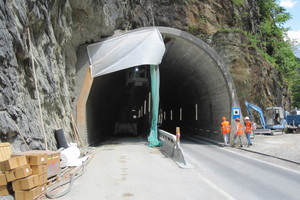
(247, 118)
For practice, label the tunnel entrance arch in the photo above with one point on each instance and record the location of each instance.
(196, 89)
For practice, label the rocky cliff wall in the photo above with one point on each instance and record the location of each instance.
(59, 27)
(224, 26)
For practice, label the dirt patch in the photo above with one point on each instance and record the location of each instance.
(126, 195)
(286, 146)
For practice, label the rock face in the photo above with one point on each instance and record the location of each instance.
(255, 78)
(46, 35)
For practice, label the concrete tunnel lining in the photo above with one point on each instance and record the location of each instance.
(191, 73)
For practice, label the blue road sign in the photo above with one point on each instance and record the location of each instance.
(236, 113)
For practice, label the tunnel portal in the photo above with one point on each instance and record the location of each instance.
(196, 90)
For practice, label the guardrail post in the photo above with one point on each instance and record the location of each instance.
(177, 134)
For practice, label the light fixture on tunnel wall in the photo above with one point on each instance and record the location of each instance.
(134, 114)
(180, 115)
(149, 104)
(196, 112)
(171, 115)
(159, 118)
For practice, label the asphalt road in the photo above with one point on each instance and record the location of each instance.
(241, 177)
(128, 169)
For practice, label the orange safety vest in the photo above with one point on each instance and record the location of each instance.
(239, 129)
(225, 127)
(248, 128)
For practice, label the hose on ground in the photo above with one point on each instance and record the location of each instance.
(76, 174)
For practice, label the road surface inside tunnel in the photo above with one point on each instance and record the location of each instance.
(126, 168)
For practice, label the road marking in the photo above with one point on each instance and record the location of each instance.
(214, 186)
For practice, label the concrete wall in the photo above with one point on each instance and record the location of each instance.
(193, 73)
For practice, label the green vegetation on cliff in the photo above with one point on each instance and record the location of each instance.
(296, 91)
(272, 33)
(272, 42)
(259, 24)
(296, 87)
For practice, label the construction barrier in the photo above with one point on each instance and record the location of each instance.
(172, 148)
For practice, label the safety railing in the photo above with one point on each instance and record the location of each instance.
(172, 148)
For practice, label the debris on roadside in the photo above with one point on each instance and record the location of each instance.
(26, 174)
(37, 174)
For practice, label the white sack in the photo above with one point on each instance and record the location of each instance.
(77, 162)
(140, 47)
(68, 155)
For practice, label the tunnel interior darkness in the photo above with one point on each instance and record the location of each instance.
(194, 94)
(114, 106)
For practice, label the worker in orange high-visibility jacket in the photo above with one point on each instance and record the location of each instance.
(225, 130)
(248, 130)
(239, 132)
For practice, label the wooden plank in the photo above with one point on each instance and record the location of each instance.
(77, 134)
(81, 103)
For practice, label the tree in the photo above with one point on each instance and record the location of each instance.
(272, 32)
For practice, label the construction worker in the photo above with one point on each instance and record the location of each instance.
(248, 130)
(239, 132)
(225, 130)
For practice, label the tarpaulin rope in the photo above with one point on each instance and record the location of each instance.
(155, 79)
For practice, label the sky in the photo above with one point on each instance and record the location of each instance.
(293, 7)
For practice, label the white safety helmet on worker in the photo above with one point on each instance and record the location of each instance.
(247, 118)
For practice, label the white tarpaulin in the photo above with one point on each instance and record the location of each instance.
(140, 47)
